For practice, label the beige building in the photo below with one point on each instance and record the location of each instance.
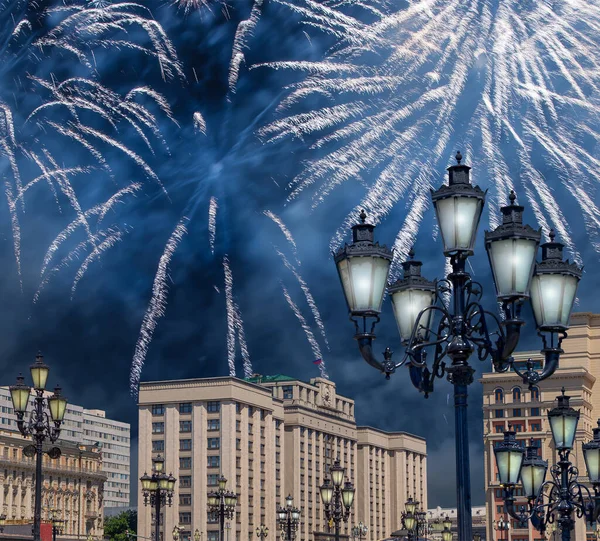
(73, 484)
(507, 401)
(271, 436)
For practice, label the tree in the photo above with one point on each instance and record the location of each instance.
(116, 528)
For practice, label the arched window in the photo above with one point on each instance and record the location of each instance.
(535, 394)
(499, 396)
(517, 394)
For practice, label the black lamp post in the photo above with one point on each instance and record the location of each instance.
(414, 520)
(221, 505)
(57, 527)
(337, 497)
(288, 518)
(557, 499)
(463, 325)
(502, 526)
(359, 531)
(40, 426)
(157, 490)
(262, 532)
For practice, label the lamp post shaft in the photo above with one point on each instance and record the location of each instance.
(337, 530)
(39, 438)
(157, 515)
(463, 474)
(288, 533)
(222, 520)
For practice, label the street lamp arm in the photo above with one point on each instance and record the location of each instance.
(552, 354)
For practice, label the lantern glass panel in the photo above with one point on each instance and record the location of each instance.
(532, 478)
(348, 495)
(326, 493)
(408, 304)
(458, 218)
(39, 375)
(364, 280)
(509, 463)
(409, 522)
(552, 297)
(58, 406)
(592, 463)
(563, 430)
(20, 398)
(512, 262)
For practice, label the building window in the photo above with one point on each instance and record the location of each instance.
(158, 428)
(185, 445)
(517, 412)
(499, 414)
(158, 445)
(185, 517)
(185, 481)
(185, 426)
(185, 407)
(213, 407)
(185, 499)
(185, 463)
(212, 536)
(214, 424)
(535, 412)
(517, 394)
(238, 407)
(158, 409)
(214, 461)
(536, 427)
(535, 394)
(263, 415)
(499, 429)
(499, 396)
(288, 392)
(214, 443)
(212, 479)
(238, 426)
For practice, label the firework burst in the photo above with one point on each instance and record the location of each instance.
(514, 84)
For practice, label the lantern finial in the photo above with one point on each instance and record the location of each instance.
(552, 235)
(458, 157)
(411, 252)
(363, 216)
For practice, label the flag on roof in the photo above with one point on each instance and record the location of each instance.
(318, 361)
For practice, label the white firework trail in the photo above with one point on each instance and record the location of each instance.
(309, 298)
(156, 307)
(286, 232)
(307, 330)
(235, 326)
(515, 85)
(212, 222)
(199, 123)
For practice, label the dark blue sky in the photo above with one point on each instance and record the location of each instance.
(89, 339)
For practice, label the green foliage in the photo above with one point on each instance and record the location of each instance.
(115, 528)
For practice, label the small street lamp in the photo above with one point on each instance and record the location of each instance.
(336, 498)
(359, 531)
(176, 532)
(262, 531)
(501, 526)
(221, 505)
(557, 499)
(414, 520)
(157, 490)
(456, 330)
(197, 534)
(2, 522)
(39, 426)
(288, 518)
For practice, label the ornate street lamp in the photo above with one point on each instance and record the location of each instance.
(557, 499)
(447, 535)
(359, 531)
(157, 490)
(336, 498)
(501, 526)
(288, 518)
(221, 505)
(262, 532)
(456, 330)
(197, 534)
(176, 532)
(40, 426)
(414, 520)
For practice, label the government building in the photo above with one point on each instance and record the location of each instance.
(271, 436)
(89, 428)
(507, 401)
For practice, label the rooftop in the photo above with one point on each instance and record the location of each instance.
(258, 378)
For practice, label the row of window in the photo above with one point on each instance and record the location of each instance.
(516, 394)
(186, 426)
(186, 407)
(517, 412)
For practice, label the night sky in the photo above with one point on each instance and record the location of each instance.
(88, 338)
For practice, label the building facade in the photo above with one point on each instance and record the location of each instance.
(507, 401)
(73, 485)
(271, 436)
(89, 427)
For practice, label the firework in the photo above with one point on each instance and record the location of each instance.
(518, 80)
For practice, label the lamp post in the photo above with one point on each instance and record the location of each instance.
(463, 325)
(360, 531)
(221, 505)
(262, 532)
(557, 499)
(337, 496)
(288, 518)
(197, 535)
(157, 490)
(414, 519)
(501, 526)
(176, 532)
(40, 426)
(57, 523)
(2, 522)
